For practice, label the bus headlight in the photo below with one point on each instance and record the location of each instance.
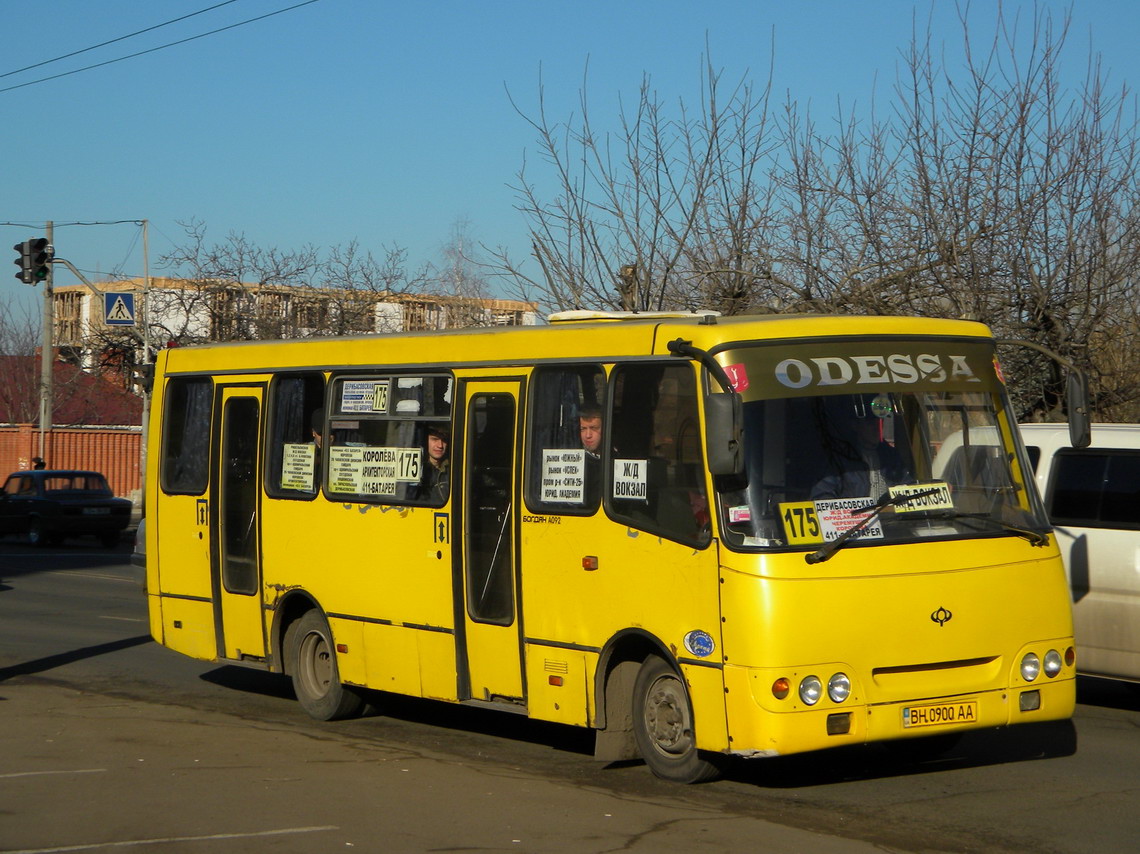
(1052, 663)
(811, 689)
(838, 687)
(1030, 667)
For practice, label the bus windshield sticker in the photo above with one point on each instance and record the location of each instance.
(738, 376)
(364, 396)
(298, 465)
(925, 499)
(801, 525)
(739, 513)
(630, 479)
(836, 515)
(563, 476)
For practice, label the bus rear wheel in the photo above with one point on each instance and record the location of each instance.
(316, 679)
(663, 726)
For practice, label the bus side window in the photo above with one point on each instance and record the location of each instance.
(186, 435)
(296, 424)
(378, 442)
(655, 479)
(564, 474)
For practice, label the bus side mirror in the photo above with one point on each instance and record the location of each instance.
(724, 428)
(1077, 403)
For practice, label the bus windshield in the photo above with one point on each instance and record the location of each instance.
(922, 430)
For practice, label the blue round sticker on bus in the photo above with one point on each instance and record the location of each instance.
(699, 643)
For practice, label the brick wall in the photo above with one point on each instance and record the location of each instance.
(114, 451)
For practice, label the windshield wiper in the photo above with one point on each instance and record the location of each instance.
(1036, 538)
(876, 509)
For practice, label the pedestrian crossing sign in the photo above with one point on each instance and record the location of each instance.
(119, 309)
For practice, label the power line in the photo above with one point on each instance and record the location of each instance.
(160, 47)
(119, 39)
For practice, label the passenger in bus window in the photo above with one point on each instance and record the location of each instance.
(316, 425)
(590, 432)
(436, 482)
(861, 464)
(316, 432)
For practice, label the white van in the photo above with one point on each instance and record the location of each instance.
(1092, 496)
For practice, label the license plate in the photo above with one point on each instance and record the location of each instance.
(940, 714)
(96, 511)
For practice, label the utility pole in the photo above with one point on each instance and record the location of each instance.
(47, 357)
(144, 313)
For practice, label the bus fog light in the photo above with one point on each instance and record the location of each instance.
(1030, 667)
(811, 689)
(1029, 701)
(1052, 663)
(839, 724)
(839, 687)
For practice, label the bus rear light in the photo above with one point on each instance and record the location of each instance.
(780, 688)
(1052, 663)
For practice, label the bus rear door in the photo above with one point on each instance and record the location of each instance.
(235, 558)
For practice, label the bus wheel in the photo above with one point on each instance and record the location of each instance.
(316, 680)
(663, 726)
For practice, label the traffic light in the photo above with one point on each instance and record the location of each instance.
(24, 260)
(41, 255)
(35, 257)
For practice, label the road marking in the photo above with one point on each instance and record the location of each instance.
(45, 773)
(79, 574)
(126, 843)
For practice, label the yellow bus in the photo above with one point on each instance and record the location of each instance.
(703, 537)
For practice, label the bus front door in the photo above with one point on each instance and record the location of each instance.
(235, 554)
(490, 654)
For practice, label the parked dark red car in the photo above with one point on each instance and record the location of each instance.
(49, 505)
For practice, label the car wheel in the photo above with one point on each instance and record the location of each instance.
(316, 679)
(36, 535)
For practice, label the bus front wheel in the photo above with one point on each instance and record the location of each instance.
(316, 680)
(663, 726)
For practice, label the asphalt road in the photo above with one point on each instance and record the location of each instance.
(110, 742)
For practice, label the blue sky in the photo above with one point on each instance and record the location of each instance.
(387, 122)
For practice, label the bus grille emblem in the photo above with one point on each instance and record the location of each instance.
(941, 616)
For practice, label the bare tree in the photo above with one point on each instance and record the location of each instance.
(459, 279)
(235, 290)
(19, 339)
(986, 190)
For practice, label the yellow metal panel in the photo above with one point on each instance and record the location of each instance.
(706, 692)
(352, 662)
(179, 560)
(188, 627)
(437, 665)
(559, 684)
(393, 658)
